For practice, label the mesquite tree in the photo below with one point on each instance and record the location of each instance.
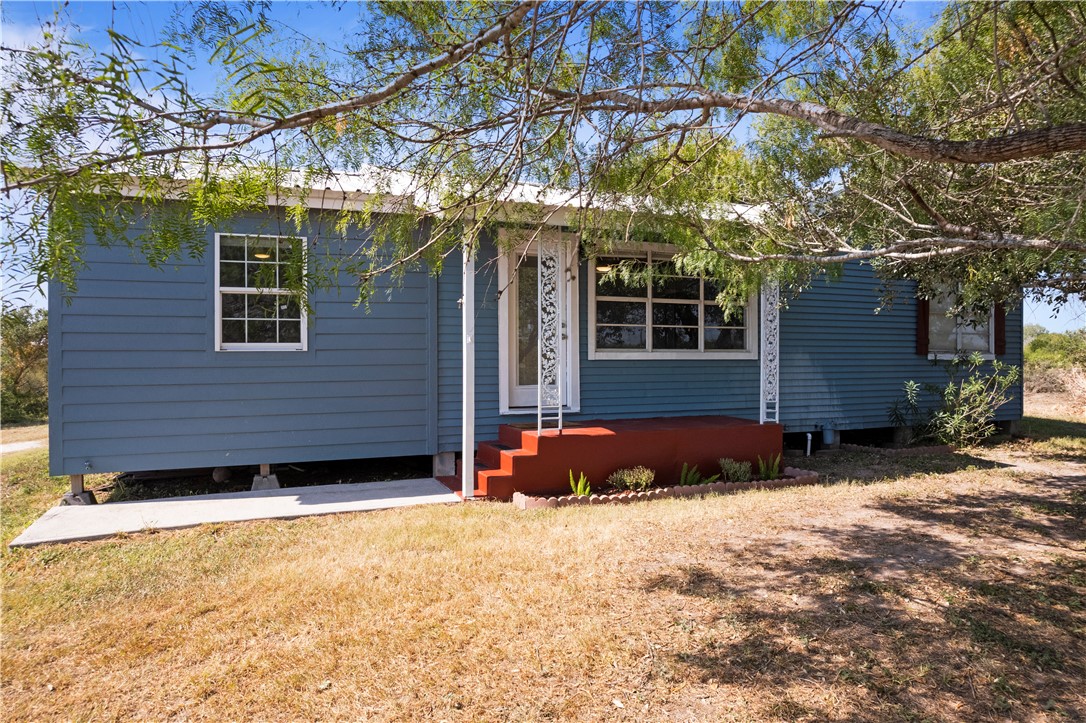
(762, 139)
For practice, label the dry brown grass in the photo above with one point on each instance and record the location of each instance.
(11, 433)
(919, 589)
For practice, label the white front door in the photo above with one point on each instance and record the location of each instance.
(520, 334)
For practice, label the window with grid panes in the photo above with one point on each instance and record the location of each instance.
(671, 314)
(255, 309)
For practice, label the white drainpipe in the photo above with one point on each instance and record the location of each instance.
(467, 428)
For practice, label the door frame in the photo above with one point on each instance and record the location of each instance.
(571, 396)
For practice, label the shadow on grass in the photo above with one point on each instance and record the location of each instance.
(1055, 439)
(970, 607)
(877, 466)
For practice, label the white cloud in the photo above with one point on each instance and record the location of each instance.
(19, 35)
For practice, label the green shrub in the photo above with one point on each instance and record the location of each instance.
(580, 486)
(769, 468)
(632, 478)
(970, 400)
(691, 476)
(735, 471)
(965, 406)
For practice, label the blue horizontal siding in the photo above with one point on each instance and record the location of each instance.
(843, 365)
(135, 383)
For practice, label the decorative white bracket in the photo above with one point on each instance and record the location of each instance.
(550, 321)
(770, 353)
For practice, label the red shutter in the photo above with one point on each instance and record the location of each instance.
(999, 329)
(922, 307)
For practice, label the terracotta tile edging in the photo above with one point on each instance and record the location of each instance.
(792, 477)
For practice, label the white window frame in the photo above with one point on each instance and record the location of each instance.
(507, 333)
(944, 354)
(648, 252)
(302, 345)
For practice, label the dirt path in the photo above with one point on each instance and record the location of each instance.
(14, 438)
(20, 446)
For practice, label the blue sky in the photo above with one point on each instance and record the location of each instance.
(21, 23)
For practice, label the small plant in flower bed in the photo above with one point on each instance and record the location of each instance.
(734, 471)
(580, 486)
(691, 476)
(769, 468)
(636, 479)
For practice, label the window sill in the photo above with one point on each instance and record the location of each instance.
(951, 356)
(261, 347)
(595, 355)
(521, 411)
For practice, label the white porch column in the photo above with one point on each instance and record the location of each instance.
(770, 329)
(467, 424)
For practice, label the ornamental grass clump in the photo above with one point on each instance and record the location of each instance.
(580, 486)
(691, 476)
(733, 470)
(636, 479)
(769, 468)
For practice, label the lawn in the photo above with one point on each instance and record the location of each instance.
(935, 588)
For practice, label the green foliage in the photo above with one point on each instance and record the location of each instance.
(632, 478)
(908, 412)
(580, 486)
(734, 470)
(769, 469)
(965, 406)
(1031, 332)
(691, 476)
(24, 364)
(84, 124)
(970, 400)
(1057, 350)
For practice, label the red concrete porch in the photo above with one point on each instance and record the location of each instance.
(523, 460)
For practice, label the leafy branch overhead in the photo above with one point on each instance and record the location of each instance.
(776, 139)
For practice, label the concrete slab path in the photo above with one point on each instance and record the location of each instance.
(92, 522)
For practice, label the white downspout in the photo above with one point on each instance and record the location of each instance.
(467, 424)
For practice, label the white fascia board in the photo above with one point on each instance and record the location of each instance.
(400, 192)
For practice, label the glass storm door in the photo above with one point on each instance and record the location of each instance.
(524, 332)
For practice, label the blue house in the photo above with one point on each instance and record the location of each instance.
(206, 363)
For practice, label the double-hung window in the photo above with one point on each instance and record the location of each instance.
(950, 336)
(255, 311)
(670, 315)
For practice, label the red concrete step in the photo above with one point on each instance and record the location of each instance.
(494, 483)
(540, 462)
(482, 488)
(490, 453)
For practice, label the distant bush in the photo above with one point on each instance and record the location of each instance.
(1051, 359)
(24, 388)
(632, 478)
(1058, 350)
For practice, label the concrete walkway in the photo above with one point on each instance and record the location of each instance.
(92, 522)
